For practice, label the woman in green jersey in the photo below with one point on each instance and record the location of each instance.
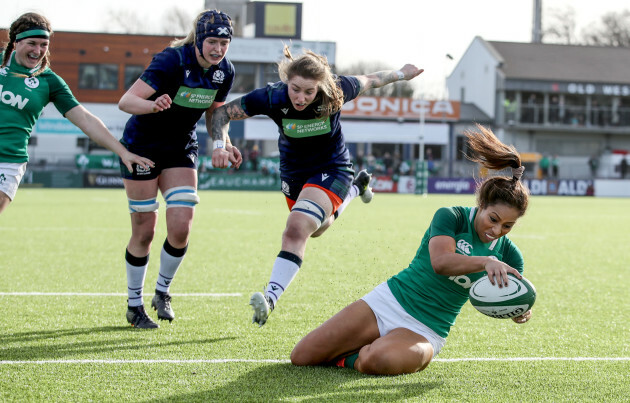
(403, 323)
(27, 85)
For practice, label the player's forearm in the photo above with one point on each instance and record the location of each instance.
(222, 116)
(454, 264)
(379, 79)
(219, 125)
(135, 105)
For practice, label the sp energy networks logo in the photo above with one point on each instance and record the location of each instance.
(305, 128)
(198, 98)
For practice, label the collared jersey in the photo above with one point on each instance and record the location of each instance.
(434, 299)
(193, 89)
(306, 143)
(22, 99)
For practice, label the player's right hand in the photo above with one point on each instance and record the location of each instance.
(498, 271)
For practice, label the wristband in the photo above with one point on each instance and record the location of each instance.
(218, 144)
(401, 75)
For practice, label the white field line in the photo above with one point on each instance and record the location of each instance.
(223, 361)
(112, 294)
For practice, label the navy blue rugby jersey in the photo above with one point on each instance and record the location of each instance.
(307, 144)
(193, 89)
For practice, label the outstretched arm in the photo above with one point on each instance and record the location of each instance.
(220, 123)
(95, 129)
(382, 78)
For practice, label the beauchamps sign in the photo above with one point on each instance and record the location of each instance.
(406, 108)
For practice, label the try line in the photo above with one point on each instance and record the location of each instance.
(112, 294)
(223, 361)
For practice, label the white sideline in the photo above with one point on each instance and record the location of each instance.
(113, 294)
(222, 361)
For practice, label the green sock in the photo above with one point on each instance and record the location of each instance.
(349, 362)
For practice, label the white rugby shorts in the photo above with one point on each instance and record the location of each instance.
(391, 315)
(10, 177)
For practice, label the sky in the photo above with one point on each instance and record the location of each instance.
(392, 32)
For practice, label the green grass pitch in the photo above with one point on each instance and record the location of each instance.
(64, 337)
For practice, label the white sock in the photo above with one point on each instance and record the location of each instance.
(285, 268)
(170, 260)
(136, 272)
(352, 193)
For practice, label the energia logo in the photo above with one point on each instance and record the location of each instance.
(9, 98)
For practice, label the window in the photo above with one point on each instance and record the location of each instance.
(245, 79)
(98, 76)
(132, 73)
(270, 74)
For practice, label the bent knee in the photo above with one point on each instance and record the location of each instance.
(300, 357)
(390, 363)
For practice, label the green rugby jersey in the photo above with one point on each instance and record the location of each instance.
(22, 99)
(434, 299)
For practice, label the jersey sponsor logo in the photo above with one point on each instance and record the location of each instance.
(463, 281)
(187, 73)
(198, 98)
(218, 77)
(464, 247)
(305, 128)
(31, 82)
(324, 177)
(285, 188)
(9, 98)
(3, 71)
(285, 110)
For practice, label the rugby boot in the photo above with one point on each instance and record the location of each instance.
(262, 306)
(138, 318)
(161, 302)
(362, 181)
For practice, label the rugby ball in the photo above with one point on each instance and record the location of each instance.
(505, 302)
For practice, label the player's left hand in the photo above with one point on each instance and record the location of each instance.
(410, 71)
(128, 158)
(220, 158)
(235, 156)
(524, 317)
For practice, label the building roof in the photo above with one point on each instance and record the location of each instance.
(540, 61)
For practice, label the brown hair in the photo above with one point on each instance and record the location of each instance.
(490, 152)
(312, 66)
(24, 23)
